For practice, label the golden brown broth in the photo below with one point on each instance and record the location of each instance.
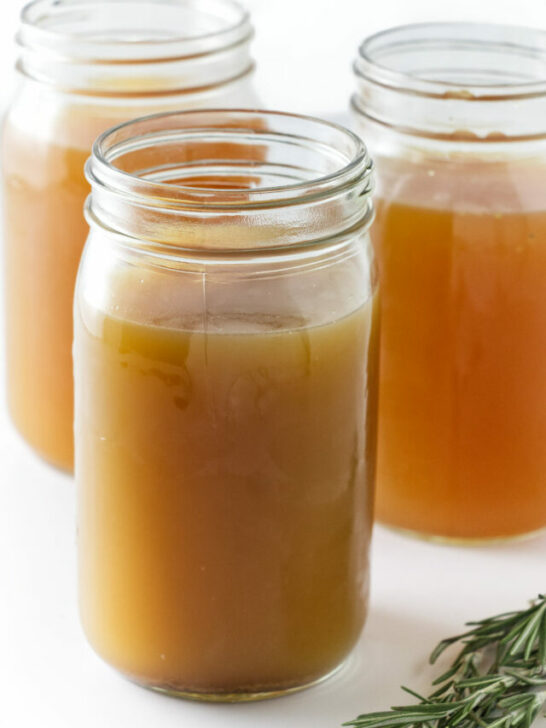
(225, 486)
(45, 231)
(462, 426)
(44, 194)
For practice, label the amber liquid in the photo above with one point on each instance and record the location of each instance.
(225, 484)
(44, 192)
(462, 426)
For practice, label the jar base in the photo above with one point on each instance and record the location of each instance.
(39, 452)
(61, 467)
(242, 696)
(463, 540)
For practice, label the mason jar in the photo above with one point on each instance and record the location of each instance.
(455, 117)
(226, 381)
(85, 65)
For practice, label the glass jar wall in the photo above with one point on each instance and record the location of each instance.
(85, 65)
(454, 115)
(226, 381)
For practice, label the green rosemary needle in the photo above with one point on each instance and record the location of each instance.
(494, 682)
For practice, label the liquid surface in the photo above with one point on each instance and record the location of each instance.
(462, 426)
(225, 484)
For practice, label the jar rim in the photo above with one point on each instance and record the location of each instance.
(230, 181)
(45, 27)
(230, 126)
(507, 40)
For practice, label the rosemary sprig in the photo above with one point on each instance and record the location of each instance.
(494, 682)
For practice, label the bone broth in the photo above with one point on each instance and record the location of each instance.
(454, 114)
(44, 193)
(58, 110)
(463, 345)
(226, 382)
(225, 511)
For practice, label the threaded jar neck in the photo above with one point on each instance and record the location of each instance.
(460, 81)
(230, 181)
(135, 47)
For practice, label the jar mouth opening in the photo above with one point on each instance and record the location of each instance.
(124, 31)
(226, 159)
(462, 61)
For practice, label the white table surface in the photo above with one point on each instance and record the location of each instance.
(49, 677)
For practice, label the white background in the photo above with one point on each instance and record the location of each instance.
(49, 678)
(305, 48)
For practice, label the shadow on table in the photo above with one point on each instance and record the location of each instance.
(393, 649)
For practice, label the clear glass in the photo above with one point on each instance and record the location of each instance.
(454, 115)
(226, 385)
(85, 65)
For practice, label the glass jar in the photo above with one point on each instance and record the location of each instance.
(85, 65)
(455, 117)
(225, 369)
